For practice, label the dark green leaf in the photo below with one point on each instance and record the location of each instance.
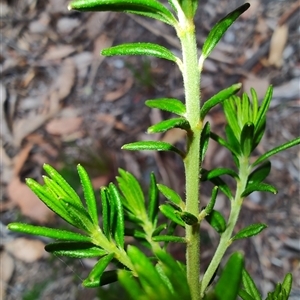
(131, 285)
(109, 277)
(169, 238)
(171, 195)
(62, 183)
(249, 231)
(244, 295)
(217, 221)
(250, 286)
(232, 140)
(261, 173)
(230, 111)
(153, 200)
(169, 212)
(148, 8)
(140, 49)
(172, 105)
(228, 285)
(94, 277)
(187, 217)
(259, 133)
(105, 212)
(165, 125)
(208, 175)
(204, 140)
(275, 150)
(153, 146)
(189, 7)
(210, 206)
(287, 284)
(218, 98)
(75, 249)
(260, 187)
(247, 139)
(58, 234)
(222, 186)
(89, 195)
(220, 28)
(159, 229)
(119, 227)
(222, 142)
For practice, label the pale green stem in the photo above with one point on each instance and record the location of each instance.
(226, 236)
(191, 80)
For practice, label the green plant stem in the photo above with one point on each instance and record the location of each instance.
(191, 80)
(225, 240)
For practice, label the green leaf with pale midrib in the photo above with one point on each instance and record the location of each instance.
(165, 125)
(172, 105)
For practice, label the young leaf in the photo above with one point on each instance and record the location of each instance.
(94, 277)
(54, 175)
(159, 229)
(258, 186)
(189, 7)
(222, 186)
(220, 28)
(89, 195)
(287, 284)
(260, 173)
(169, 238)
(187, 218)
(228, 285)
(109, 277)
(119, 227)
(218, 98)
(217, 221)
(53, 233)
(140, 49)
(250, 286)
(165, 125)
(249, 231)
(172, 105)
(275, 150)
(232, 140)
(204, 140)
(105, 212)
(244, 295)
(153, 200)
(148, 8)
(210, 206)
(222, 142)
(208, 175)
(247, 139)
(171, 195)
(153, 146)
(75, 249)
(169, 212)
(230, 111)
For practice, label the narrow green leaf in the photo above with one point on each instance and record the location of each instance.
(189, 7)
(231, 114)
(47, 196)
(244, 295)
(135, 233)
(105, 212)
(159, 229)
(152, 146)
(250, 286)
(246, 111)
(208, 175)
(165, 125)
(218, 98)
(287, 284)
(109, 277)
(260, 173)
(54, 175)
(75, 249)
(153, 200)
(140, 49)
(260, 187)
(232, 140)
(222, 142)
(172, 105)
(94, 277)
(249, 231)
(275, 150)
(217, 221)
(222, 186)
(228, 285)
(247, 139)
(220, 28)
(204, 140)
(187, 217)
(89, 194)
(119, 228)
(58, 234)
(149, 8)
(169, 212)
(259, 133)
(171, 195)
(210, 206)
(169, 238)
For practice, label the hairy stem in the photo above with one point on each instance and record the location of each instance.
(191, 80)
(225, 240)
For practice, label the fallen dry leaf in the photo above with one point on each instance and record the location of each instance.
(26, 250)
(277, 45)
(6, 270)
(100, 181)
(58, 52)
(30, 205)
(64, 126)
(173, 136)
(122, 90)
(259, 84)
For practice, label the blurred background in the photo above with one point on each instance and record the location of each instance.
(63, 104)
